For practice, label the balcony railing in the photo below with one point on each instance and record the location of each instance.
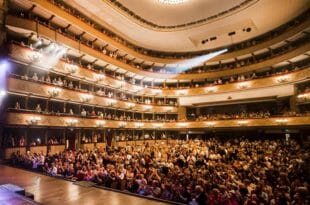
(20, 119)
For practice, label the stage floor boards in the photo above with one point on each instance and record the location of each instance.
(49, 190)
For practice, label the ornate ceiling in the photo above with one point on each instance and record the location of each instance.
(193, 25)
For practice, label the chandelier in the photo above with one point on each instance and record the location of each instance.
(172, 1)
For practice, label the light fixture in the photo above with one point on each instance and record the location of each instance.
(156, 92)
(2, 93)
(282, 79)
(281, 121)
(303, 97)
(71, 68)
(35, 56)
(86, 98)
(210, 124)
(182, 92)
(99, 77)
(100, 123)
(130, 105)
(111, 102)
(158, 125)
(71, 122)
(122, 124)
(242, 122)
(172, 2)
(119, 84)
(147, 107)
(243, 85)
(211, 89)
(33, 120)
(169, 109)
(139, 124)
(53, 92)
(183, 124)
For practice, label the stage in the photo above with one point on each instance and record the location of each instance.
(49, 190)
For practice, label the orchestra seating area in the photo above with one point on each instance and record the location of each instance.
(85, 103)
(241, 171)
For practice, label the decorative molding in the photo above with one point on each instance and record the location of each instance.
(149, 24)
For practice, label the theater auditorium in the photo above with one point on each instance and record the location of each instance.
(188, 102)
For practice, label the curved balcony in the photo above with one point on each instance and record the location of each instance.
(47, 91)
(21, 54)
(74, 20)
(72, 43)
(23, 119)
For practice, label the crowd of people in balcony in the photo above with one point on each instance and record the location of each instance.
(118, 94)
(220, 66)
(104, 92)
(107, 114)
(242, 115)
(18, 140)
(237, 171)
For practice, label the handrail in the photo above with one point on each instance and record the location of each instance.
(293, 76)
(25, 86)
(45, 31)
(14, 118)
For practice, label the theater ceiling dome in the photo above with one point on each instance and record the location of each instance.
(190, 25)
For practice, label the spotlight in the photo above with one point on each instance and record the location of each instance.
(2, 93)
(194, 62)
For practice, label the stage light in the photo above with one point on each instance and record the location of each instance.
(194, 62)
(2, 93)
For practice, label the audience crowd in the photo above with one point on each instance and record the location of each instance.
(236, 171)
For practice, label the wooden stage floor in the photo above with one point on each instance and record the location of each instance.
(49, 190)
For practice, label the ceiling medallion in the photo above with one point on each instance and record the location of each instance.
(172, 1)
